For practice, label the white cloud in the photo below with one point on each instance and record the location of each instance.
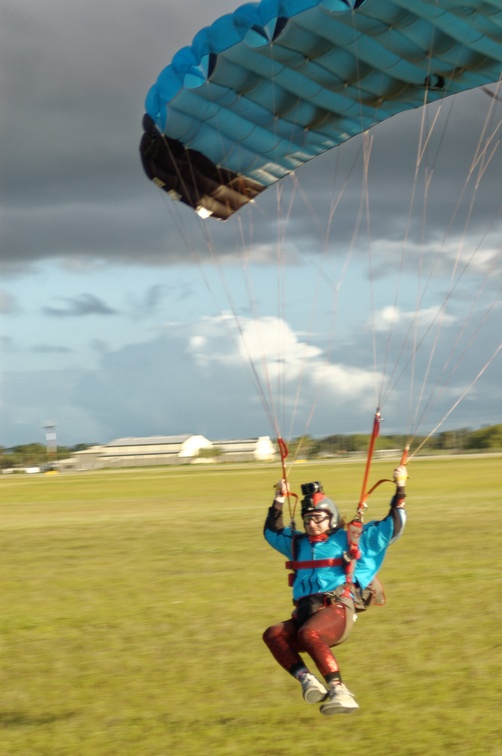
(8, 303)
(393, 317)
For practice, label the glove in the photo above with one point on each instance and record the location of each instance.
(400, 476)
(281, 489)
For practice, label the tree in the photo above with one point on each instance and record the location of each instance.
(208, 452)
(486, 438)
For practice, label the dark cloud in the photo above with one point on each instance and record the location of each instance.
(153, 300)
(80, 306)
(73, 186)
(51, 349)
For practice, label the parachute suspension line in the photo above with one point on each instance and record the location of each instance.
(365, 208)
(355, 527)
(483, 155)
(495, 94)
(307, 336)
(445, 383)
(281, 251)
(419, 420)
(323, 276)
(448, 374)
(423, 144)
(304, 357)
(423, 140)
(438, 321)
(281, 297)
(324, 231)
(242, 335)
(481, 159)
(335, 288)
(268, 402)
(480, 162)
(174, 211)
(460, 398)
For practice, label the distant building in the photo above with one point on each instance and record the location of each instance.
(259, 449)
(152, 450)
(88, 459)
(172, 450)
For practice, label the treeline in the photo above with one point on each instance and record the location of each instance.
(34, 455)
(464, 439)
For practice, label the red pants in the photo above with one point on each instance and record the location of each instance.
(315, 637)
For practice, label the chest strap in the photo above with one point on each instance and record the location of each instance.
(314, 564)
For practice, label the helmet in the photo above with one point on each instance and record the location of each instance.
(317, 501)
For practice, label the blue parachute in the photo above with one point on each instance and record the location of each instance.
(274, 84)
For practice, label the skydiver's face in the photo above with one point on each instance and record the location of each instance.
(316, 523)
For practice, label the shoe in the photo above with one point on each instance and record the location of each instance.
(313, 690)
(339, 701)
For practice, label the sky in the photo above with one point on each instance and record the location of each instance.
(123, 314)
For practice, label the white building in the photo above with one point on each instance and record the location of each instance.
(173, 450)
(259, 449)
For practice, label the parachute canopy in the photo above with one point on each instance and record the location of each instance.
(276, 83)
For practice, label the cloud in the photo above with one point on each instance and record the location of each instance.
(72, 182)
(390, 317)
(73, 192)
(80, 306)
(50, 349)
(8, 304)
(7, 344)
(192, 378)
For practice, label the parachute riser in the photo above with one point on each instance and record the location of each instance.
(355, 526)
(284, 452)
(404, 459)
(364, 494)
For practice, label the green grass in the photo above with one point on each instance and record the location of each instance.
(134, 603)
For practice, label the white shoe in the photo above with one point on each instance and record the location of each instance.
(313, 690)
(339, 701)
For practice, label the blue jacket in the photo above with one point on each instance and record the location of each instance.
(375, 539)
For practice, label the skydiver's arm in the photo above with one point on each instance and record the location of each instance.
(274, 521)
(378, 534)
(276, 534)
(398, 501)
(398, 513)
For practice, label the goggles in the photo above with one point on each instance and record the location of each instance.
(315, 518)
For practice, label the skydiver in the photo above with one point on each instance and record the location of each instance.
(323, 617)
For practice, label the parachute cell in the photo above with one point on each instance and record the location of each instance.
(271, 86)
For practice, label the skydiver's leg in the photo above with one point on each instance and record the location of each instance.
(322, 630)
(282, 641)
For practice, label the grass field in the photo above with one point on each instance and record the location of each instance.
(134, 603)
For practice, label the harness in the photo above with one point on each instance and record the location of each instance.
(350, 594)
(311, 564)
